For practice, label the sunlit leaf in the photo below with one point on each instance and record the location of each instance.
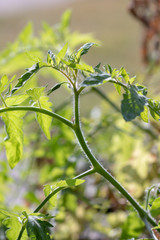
(41, 101)
(62, 53)
(13, 228)
(83, 50)
(27, 75)
(16, 99)
(14, 140)
(144, 115)
(3, 83)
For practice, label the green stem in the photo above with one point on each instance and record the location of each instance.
(21, 232)
(103, 172)
(40, 110)
(88, 172)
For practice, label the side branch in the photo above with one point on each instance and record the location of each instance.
(40, 110)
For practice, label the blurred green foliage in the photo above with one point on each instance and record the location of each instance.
(94, 210)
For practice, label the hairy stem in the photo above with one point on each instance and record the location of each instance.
(103, 172)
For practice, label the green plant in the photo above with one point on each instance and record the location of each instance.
(21, 98)
(15, 105)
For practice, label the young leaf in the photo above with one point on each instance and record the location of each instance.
(38, 229)
(124, 74)
(55, 87)
(27, 75)
(96, 79)
(3, 83)
(51, 58)
(83, 50)
(62, 53)
(14, 226)
(14, 140)
(132, 104)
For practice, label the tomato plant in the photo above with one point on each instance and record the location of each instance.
(22, 96)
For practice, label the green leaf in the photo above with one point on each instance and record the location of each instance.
(144, 115)
(14, 140)
(154, 108)
(16, 99)
(41, 101)
(96, 79)
(155, 209)
(69, 183)
(3, 83)
(8, 213)
(132, 104)
(55, 87)
(65, 20)
(51, 58)
(62, 53)
(38, 229)
(62, 184)
(13, 228)
(83, 50)
(124, 74)
(44, 120)
(27, 75)
(82, 67)
(26, 34)
(132, 227)
(35, 93)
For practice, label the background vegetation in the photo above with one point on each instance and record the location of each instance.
(130, 152)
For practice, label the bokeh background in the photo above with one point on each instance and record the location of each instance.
(109, 21)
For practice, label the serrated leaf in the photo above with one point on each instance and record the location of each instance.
(14, 226)
(38, 229)
(35, 93)
(27, 75)
(96, 79)
(132, 104)
(44, 120)
(16, 99)
(14, 140)
(144, 115)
